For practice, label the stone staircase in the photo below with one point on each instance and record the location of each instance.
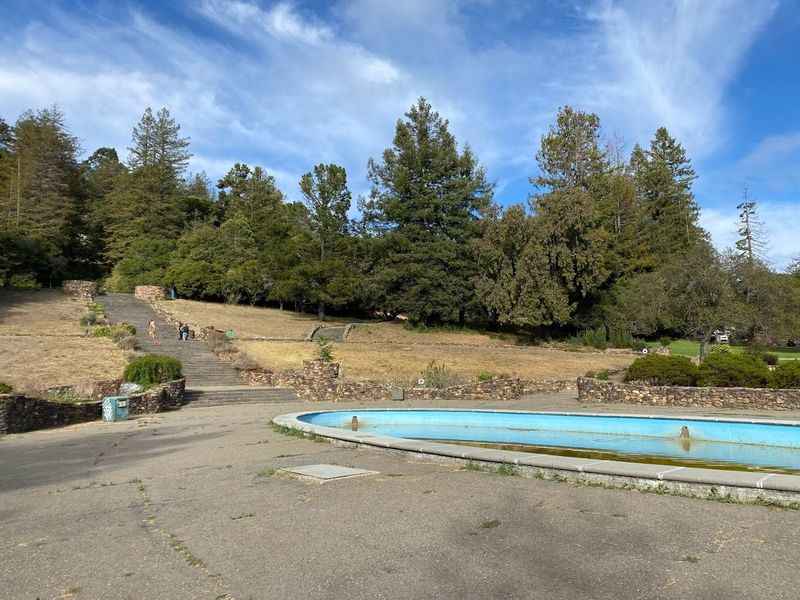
(209, 381)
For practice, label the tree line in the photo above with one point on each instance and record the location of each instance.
(603, 241)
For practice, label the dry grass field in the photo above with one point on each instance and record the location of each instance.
(40, 343)
(389, 351)
(397, 333)
(405, 362)
(245, 321)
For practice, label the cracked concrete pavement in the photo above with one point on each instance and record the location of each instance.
(187, 505)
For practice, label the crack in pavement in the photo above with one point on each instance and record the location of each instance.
(177, 545)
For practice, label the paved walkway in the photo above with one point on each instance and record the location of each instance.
(186, 505)
(208, 379)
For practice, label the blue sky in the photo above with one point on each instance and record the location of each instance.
(288, 84)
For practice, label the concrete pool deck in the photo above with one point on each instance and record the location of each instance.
(189, 504)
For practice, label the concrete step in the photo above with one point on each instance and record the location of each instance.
(217, 396)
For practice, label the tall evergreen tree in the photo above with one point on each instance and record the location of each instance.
(47, 177)
(569, 215)
(99, 174)
(664, 178)
(145, 201)
(328, 271)
(751, 243)
(570, 156)
(8, 171)
(423, 211)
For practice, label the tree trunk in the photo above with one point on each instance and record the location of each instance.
(321, 311)
(704, 344)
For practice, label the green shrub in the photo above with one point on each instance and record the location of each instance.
(620, 339)
(596, 338)
(115, 332)
(722, 368)
(101, 331)
(657, 369)
(324, 350)
(152, 368)
(761, 353)
(97, 308)
(638, 345)
(665, 341)
(24, 282)
(5, 388)
(786, 376)
(485, 376)
(436, 375)
(771, 359)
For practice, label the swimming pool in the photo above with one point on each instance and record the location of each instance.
(729, 443)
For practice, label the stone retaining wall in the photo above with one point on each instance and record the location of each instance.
(86, 290)
(163, 397)
(19, 413)
(150, 293)
(609, 392)
(319, 381)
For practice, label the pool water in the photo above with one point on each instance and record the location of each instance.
(731, 444)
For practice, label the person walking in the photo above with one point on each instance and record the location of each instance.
(152, 331)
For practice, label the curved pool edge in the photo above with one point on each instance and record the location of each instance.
(775, 488)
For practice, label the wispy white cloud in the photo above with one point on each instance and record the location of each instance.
(278, 84)
(672, 62)
(280, 21)
(773, 148)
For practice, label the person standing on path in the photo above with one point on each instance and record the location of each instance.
(152, 331)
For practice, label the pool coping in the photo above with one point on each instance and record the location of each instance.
(657, 474)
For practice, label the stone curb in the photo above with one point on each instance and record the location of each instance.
(692, 481)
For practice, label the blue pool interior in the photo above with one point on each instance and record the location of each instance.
(728, 444)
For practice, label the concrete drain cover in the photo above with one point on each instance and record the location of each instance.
(324, 473)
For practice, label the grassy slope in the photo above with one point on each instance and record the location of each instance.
(39, 346)
(245, 321)
(389, 351)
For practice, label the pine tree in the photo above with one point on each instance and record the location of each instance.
(99, 173)
(328, 272)
(664, 178)
(8, 172)
(751, 243)
(423, 213)
(146, 200)
(570, 155)
(46, 182)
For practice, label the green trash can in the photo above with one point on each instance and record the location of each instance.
(115, 408)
